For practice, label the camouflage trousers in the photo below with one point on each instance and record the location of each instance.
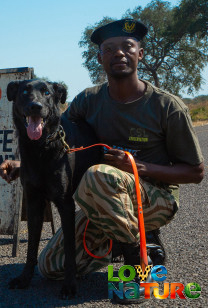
(107, 197)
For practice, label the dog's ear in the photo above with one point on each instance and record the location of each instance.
(12, 90)
(60, 92)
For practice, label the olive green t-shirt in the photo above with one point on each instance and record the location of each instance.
(155, 128)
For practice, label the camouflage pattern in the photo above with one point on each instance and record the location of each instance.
(107, 196)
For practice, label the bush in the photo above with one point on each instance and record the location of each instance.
(199, 111)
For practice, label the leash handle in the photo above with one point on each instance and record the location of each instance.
(89, 252)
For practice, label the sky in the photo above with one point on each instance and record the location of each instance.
(44, 34)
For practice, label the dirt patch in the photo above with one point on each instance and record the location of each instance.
(200, 123)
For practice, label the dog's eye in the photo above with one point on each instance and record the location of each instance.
(25, 92)
(47, 92)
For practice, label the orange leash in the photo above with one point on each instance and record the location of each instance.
(143, 249)
(89, 252)
(90, 146)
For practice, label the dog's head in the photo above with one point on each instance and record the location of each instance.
(36, 104)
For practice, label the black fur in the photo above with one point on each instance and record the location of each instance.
(47, 173)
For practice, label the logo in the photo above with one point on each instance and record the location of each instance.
(143, 276)
(129, 27)
(158, 272)
(138, 135)
(133, 152)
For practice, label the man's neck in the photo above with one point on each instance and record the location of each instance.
(127, 89)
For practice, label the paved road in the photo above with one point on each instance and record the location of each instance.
(185, 240)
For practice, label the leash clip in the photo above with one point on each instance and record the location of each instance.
(62, 136)
(50, 137)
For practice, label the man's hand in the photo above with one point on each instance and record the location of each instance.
(118, 159)
(9, 170)
(180, 173)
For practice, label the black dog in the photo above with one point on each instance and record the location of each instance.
(47, 172)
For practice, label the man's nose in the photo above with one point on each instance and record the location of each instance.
(119, 51)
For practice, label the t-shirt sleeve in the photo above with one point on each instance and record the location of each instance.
(77, 109)
(181, 140)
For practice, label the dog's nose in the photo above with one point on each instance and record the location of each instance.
(35, 106)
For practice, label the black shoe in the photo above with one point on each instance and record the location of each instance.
(131, 253)
(117, 256)
(156, 249)
(154, 245)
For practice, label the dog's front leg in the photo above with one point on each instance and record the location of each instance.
(35, 214)
(67, 213)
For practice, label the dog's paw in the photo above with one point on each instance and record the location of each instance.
(69, 290)
(19, 283)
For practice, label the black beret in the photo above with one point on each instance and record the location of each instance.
(123, 27)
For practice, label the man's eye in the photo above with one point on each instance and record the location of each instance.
(108, 49)
(128, 46)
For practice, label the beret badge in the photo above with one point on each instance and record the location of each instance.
(129, 27)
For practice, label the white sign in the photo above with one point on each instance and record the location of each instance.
(10, 194)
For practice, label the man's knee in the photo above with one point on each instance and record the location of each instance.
(94, 169)
(103, 174)
(99, 170)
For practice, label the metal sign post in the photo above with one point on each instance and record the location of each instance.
(11, 194)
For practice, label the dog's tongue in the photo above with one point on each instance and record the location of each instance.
(34, 129)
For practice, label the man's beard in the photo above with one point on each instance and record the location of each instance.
(120, 75)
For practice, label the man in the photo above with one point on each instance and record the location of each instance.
(127, 114)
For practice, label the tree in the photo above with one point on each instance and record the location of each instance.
(192, 16)
(96, 72)
(174, 57)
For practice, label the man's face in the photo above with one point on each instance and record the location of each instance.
(119, 56)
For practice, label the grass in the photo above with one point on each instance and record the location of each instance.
(198, 111)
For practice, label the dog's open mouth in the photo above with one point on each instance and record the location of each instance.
(34, 125)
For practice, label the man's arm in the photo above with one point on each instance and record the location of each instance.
(10, 170)
(76, 110)
(174, 174)
(180, 173)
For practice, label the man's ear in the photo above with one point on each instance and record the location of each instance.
(140, 54)
(60, 92)
(12, 90)
(99, 57)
